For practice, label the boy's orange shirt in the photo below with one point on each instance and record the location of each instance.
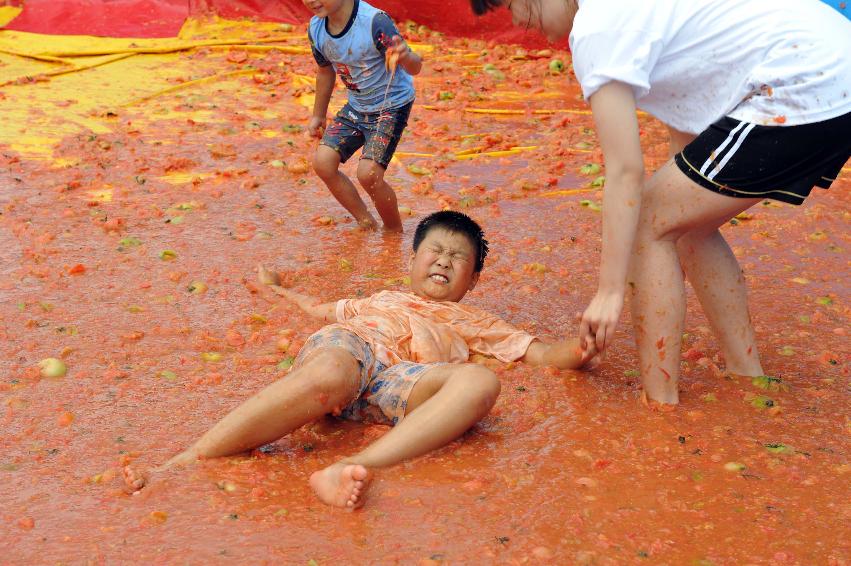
(404, 327)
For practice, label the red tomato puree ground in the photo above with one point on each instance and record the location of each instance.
(126, 253)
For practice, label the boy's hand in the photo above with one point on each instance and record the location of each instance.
(398, 53)
(564, 354)
(597, 327)
(316, 127)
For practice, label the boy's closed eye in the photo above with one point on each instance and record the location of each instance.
(454, 256)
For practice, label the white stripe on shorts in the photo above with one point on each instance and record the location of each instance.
(732, 151)
(717, 153)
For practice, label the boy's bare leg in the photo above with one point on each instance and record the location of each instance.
(717, 279)
(326, 163)
(672, 206)
(371, 178)
(328, 380)
(445, 402)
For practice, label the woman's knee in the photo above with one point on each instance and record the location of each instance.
(689, 243)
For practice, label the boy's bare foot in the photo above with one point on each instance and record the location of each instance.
(341, 484)
(266, 277)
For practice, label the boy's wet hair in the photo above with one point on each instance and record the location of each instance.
(458, 223)
(482, 6)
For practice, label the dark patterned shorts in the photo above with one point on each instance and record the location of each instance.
(378, 133)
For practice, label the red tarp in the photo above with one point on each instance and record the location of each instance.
(108, 18)
(163, 18)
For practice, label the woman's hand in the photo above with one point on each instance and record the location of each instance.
(599, 321)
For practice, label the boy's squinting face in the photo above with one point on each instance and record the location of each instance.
(443, 267)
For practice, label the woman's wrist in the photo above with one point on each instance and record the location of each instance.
(611, 288)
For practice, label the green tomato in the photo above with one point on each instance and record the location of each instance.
(556, 66)
(590, 169)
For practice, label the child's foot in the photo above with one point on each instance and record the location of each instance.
(341, 484)
(266, 277)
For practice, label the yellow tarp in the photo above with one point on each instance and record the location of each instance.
(55, 86)
(8, 13)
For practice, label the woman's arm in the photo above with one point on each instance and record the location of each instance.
(567, 354)
(613, 107)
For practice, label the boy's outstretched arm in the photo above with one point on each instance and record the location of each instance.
(327, 312)
(565, 354)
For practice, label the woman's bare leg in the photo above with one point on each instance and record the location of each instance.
(673, 206)
(718, 280)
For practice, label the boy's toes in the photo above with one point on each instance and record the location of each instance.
(341, 485)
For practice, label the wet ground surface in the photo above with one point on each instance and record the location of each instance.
(129, 228)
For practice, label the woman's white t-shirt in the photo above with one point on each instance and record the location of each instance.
(691, 62)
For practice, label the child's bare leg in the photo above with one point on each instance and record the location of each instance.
(327, 380)
(371, 178)
(672, 206)
(717, 279)
(326, 163)
(445, 402)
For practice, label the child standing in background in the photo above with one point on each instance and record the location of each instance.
(360, 43)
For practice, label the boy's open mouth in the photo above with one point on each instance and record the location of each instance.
(439, 278)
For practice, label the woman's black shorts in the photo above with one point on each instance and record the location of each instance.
(745, 160)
